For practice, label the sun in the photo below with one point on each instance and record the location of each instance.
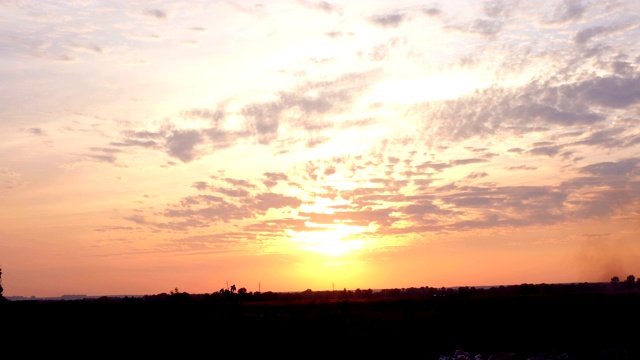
(331, 240)
(332, 246)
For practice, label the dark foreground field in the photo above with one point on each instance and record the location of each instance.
(521, 325)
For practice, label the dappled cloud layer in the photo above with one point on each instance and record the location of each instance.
(291, 127)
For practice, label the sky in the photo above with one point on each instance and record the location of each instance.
(148, 146)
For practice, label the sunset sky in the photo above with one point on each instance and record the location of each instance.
(292, 145)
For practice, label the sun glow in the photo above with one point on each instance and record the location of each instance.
(321, 271)
(427, 88)
(330, 239)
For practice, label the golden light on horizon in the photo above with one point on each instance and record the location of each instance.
(322, 270)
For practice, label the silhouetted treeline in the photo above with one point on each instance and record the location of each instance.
(588, 320)
(241, 295)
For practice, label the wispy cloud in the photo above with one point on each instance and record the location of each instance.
(250, 130)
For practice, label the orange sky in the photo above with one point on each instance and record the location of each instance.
(292, 145)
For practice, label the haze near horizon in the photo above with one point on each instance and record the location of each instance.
(287, 145)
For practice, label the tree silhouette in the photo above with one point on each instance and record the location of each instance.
(1, 289)
(631, 281)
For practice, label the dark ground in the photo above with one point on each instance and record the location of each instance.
(569, 326)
